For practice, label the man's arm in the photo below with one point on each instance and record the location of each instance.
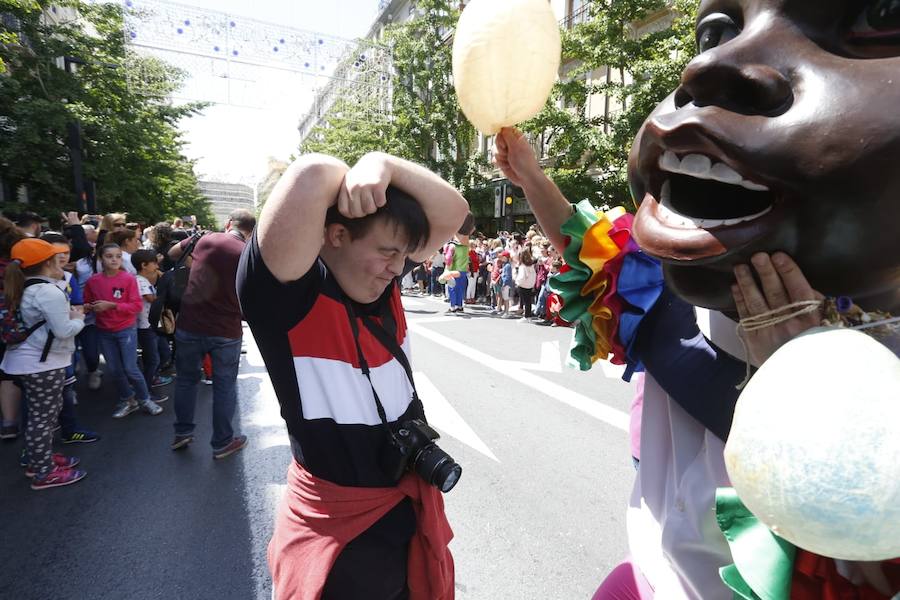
(176, 251)
(516, 159)
(444, 207)
(291, 227)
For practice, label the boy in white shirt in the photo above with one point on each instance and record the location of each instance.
(147, 267)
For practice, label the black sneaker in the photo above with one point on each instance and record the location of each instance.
(9, 432)
(79, 436)
(182, 441)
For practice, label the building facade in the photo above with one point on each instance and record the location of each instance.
(225, 197)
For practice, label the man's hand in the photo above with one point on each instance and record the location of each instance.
(514, 156)
(782, 284)
(363, 189)
(76, 312)
(70, 218)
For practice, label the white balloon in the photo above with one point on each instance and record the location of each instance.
(814, 449)
(506, 57)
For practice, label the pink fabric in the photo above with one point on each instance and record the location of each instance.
(637, 408)
(625, 582)
(122, 289)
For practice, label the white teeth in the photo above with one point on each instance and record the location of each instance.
(701, 167)
(669, 162)
(756, 187)
(696, 165)
(725, 174)
(668, 214)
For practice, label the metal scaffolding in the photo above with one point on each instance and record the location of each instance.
(244, 62)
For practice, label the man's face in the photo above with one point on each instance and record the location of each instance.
(366, 266)
(783, 135)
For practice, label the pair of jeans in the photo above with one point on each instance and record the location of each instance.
(162, 346)
(542, 301)
(119, 348)
(458, 291)
(90, 347)
(149, 344)
(226, 358)
(435, 285)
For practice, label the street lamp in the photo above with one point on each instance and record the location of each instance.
(85, 193)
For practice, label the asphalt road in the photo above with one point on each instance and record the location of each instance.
(538, 514)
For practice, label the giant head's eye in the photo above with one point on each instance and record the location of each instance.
(877, 23)
(715, 29)
(883, 14)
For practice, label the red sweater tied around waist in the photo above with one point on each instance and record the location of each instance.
(317, 518)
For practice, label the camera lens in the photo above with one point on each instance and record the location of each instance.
(437, 468)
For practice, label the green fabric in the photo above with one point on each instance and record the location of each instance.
(460, 260)
(569, 284)
(763, 562)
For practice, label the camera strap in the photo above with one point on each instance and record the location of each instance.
(391, 345)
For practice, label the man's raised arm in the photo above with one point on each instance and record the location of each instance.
(443, 205)
(292, 223)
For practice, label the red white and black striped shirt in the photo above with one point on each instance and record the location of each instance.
(304, 335)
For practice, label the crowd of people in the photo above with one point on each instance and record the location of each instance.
(509, 274)
(104, 286)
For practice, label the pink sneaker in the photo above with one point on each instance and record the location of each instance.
(59, 461)
(58, 477)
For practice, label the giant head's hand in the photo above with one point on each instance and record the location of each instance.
(784, 135)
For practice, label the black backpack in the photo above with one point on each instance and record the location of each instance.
(169, 290)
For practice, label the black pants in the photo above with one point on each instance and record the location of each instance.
(526, 299)
(373, 566)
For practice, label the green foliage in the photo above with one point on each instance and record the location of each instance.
(132, 147)
(652, 65)
(427, 125)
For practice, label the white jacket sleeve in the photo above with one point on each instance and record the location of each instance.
(55, 308)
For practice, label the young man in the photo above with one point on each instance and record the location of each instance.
(322, 268)
(209, 322)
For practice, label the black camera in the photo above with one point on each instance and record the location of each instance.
(412, 448)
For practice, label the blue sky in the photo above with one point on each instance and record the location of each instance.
(232, 143)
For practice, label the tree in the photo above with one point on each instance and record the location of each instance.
(426, 124)
(132, 147)
(588, 155)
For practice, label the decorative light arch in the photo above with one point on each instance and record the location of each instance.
(245, 62)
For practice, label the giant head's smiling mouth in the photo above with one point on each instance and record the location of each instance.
(703, 193)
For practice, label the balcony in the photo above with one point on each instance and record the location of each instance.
(582, 15)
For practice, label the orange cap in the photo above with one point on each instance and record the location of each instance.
(32, 251)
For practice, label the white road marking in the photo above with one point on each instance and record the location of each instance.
(447, 319)
(443, 416)
(549, 362)
(588, 406)
(409, 302)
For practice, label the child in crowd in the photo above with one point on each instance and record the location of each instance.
(113, 296)
(506, 283)
(40, 361)
(525, 280)
(129, 242)
(87, 339)
(70, 430)
(147, 267)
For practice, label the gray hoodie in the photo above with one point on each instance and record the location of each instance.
(50, 304)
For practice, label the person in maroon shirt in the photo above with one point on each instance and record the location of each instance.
(209, 322)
